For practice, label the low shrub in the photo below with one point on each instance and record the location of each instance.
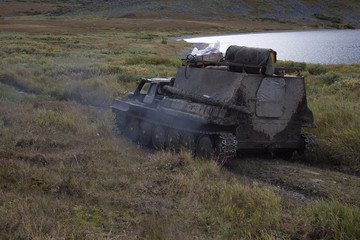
(113, 69)
(334, 87)
(316, 69)
(163, 41)
(327, 18)
(349, 26)
(352, 84)
(328, 78)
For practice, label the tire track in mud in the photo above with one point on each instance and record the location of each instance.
(297, 180)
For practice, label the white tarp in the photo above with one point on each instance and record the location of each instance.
(212, 48)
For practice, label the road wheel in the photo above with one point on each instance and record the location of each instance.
(205, 147)
(158, 137)
(120, 118)
(285, 154)
(173, 140)
(133, 130)
(188, 142)
(145, 133)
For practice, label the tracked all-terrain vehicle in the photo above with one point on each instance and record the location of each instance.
(220, 106)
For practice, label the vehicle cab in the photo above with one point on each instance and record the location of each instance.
(150, 91)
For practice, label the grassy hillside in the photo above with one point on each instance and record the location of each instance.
(331, 13)
(65, 172)
(10, 8)
(292, 14)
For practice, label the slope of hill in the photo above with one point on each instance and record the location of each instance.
(316, 14)
(66, 173)
(331, 13)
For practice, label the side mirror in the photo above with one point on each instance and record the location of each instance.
(130, 95)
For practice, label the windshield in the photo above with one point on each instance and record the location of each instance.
(145, 88)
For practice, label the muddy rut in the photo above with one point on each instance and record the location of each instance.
(298, 180)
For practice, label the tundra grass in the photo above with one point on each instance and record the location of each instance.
(64, 175)
(333, 95)
(99, 68)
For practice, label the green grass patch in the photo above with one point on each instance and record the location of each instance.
(334, 99)
(53, 121)
(328, 78)
(316, 69)
(334, 220)
(152, 60)
(327, 18)
(8, 93)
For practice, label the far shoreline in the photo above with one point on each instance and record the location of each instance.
(255, 32)
(329, 47)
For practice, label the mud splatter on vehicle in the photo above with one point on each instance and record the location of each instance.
(220, 106)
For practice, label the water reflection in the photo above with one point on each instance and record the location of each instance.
(312, 46)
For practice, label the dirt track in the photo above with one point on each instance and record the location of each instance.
(297, 180)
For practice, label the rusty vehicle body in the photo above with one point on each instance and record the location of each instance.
(220, 107)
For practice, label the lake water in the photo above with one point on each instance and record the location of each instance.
(311, 46)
